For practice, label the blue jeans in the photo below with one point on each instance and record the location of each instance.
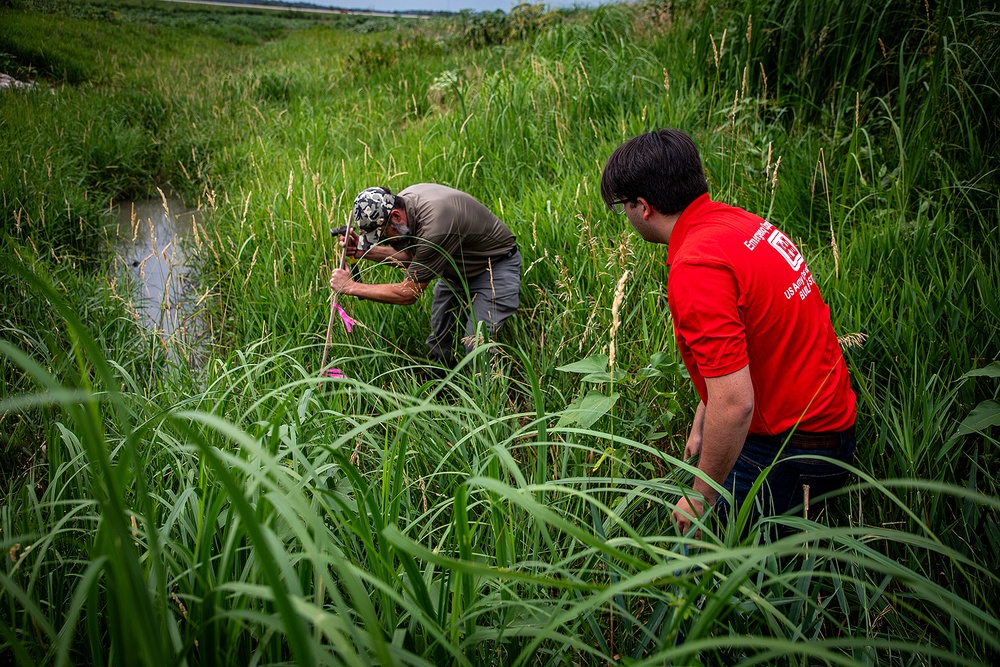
(783, 489)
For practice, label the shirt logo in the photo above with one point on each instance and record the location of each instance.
(786, 249)
(758, 235)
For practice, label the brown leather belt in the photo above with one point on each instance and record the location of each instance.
(806, 440)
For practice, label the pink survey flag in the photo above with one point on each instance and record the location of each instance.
(348, 322)
(335, 373)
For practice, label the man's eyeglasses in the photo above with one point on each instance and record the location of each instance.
(619, 205)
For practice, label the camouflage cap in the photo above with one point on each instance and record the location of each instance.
(372, 207)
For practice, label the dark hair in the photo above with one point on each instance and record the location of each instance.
(662, 167)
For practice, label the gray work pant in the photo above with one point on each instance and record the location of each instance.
(492, 296)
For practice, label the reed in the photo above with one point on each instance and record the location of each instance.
(249, 510)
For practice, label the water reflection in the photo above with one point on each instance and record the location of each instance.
(153, 241)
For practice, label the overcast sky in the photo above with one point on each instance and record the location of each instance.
(444, 5)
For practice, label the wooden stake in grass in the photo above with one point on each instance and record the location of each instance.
(335, 308)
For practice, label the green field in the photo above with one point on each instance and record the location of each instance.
(246, 510)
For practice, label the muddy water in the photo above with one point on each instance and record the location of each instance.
(154, 242)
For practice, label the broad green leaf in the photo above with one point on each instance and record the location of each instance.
(983, 416)
(597, 363)
(659, 359)
(648, 372)
(991, 371)
(662, 362)
(588, 409)
(604, 376)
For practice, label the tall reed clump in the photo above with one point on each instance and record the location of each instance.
(914, 75)
(69, 154)
(251, 511)
(344, 522)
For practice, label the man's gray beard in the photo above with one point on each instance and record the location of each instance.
(403, 240)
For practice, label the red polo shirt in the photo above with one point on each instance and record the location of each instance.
(740, 293)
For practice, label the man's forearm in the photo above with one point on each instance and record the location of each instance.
(397, 294)
(723, 435)
(726, 421)
(400, 258)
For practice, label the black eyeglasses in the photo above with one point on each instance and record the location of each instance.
(619, 205)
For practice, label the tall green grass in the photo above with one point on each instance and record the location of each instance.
(347, 522)
(251, 511)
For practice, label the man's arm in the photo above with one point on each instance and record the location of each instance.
(378, 253)
(404, 293)
(726, 421)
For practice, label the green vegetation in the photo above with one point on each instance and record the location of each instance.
(247, 510)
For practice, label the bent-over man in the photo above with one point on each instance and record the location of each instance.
(432, 231)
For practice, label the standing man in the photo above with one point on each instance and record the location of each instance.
(752, 329)
(432, 231)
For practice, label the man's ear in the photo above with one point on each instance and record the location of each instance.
(647, 210)
(397, 216)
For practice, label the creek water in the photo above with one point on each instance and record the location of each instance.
(153, 243)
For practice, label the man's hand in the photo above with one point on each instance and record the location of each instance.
(349, 243)
(693, 446)
(687, 509)
(340, 281)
